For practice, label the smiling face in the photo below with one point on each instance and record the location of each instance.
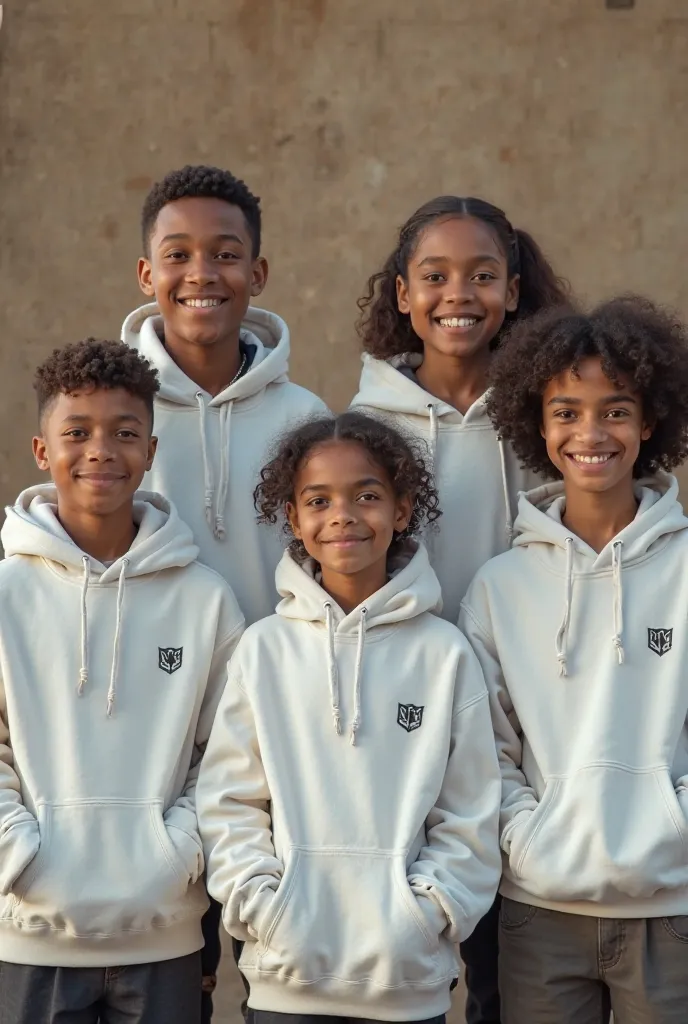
(346, 512)
(593, 428)
(201, 271)
(457, 290)
(96, 444)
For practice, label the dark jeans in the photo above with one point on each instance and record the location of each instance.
(210, 958)
(480, 954)
(572, 969)
(161, 993)
(270, 1017)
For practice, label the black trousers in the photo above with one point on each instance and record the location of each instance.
(480, 954)
(210, 958)
(167, 992)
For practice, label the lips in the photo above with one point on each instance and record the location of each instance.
(345, 542)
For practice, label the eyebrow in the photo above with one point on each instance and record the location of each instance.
(125, 417)
(610, 400)
(485, 258)
(367, 482)
(182, 237)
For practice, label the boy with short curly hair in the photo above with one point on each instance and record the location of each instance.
(114, 643)
(580, 632)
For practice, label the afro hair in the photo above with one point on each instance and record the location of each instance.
(632, 337)
(202, 182)
(95, 364)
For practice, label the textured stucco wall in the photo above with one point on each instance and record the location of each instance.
(343, 115)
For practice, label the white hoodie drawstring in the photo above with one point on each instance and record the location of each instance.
(215, 518)
(225, 422)
(617, 639)
(356, 723)
(433, 435)
(333, 671)
(83, 671)
(563, 629)
(507, 500)
(116, 644)
(209, 490)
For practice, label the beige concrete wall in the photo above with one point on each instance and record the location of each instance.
(343, 115)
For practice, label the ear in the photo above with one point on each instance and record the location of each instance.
(293, 517)
(647, 431)
(402, 295)
(513, 291)
(259, 275)
(403, 513)
(40, 454)
(152, 449)
(145, 276)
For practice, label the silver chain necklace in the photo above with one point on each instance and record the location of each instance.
(239, 372)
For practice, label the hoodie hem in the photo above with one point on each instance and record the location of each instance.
(332, 997)
(51, 948)
(669, 903)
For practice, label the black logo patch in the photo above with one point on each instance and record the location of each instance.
(660, 640)
(170, 659)
(410, 716)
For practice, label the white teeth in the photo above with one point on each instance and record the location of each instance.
(201, 303)
(592, 459)
(458, 321)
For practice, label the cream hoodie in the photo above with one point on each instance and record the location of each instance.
(477, 475)
(349, 797)
(211, 450)
(109, 681)
(586, 657)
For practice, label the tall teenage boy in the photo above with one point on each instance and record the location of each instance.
(114, 643)
(224, 389)
(580, 630)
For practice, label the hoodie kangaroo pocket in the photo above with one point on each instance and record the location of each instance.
(349, 916)
(605, 830)
(102, 869)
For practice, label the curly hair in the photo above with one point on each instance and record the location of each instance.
(404, 459)
(206, 183)
(97, 364)
(632, 337)
(386, 332)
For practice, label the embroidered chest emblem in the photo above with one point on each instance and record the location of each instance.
(660, 640)
(410, 716)
(170, 659)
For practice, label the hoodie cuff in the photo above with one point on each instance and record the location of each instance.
(434, 916)
(682, 797)
(512, 827)
(18, 847)
(189, 851)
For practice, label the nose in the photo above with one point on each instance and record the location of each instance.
(592, 431)
(201, 270)
(459, 290)
(342, 512)
(99, 451)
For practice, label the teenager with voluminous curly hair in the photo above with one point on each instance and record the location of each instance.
(432, 318)
(579, 630)
(348, 844)
(114, 642)
(224, 387)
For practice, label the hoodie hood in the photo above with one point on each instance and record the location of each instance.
(265, 336)
(162, 542)
(539, 522)
(477, 472)
(412, 589)
(264, 333)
